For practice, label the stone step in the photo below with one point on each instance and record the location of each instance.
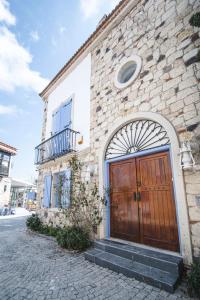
(145, 273)
(156, 259)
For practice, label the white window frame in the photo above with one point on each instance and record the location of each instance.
(133, 58)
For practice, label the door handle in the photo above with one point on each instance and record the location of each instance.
(138, 196)
(135, 196)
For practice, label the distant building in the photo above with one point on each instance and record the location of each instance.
(6, 153)
(22, 193)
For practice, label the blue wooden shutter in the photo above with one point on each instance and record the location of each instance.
(66, 115)
(31, 195)
(56, 122)
(47, 191)
(61, 118)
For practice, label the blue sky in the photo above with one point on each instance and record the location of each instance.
(37, 37)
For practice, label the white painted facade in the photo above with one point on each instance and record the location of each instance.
(76, 86)
(5, 184)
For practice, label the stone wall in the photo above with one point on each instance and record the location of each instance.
(168, 84)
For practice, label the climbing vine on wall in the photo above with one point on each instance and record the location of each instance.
(86, 205)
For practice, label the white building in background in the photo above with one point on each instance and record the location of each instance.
(6, 153)
(22, 193)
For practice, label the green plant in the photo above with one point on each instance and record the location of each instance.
(73, 238)
(195, 20)
(193, 280)
(86, 204)
(49, 230)
(34, 223)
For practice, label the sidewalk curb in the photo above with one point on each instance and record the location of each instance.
(48, 237)
(12, 217)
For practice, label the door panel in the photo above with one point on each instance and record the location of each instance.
(151, 219)
(123, 209)
(157, 207)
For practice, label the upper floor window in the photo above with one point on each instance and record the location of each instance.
(61, 118)
(4, 163)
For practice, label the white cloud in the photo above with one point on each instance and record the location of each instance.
(62, 29)
(12, 110)
(15, 60)
(5, 15)
(7, 110)
(91, 8)
(34, 36)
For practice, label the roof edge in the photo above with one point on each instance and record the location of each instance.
(7, 148)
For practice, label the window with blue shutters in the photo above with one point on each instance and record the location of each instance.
(61, 118)
(62, 189)
(47, 191)
(65, 116)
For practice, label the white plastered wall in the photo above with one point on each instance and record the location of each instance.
(181, 204)
(5, 195)
(75, 85)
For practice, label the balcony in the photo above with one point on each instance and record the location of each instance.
(4, 171)
(58, 145)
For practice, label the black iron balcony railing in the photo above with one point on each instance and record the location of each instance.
(4, 171)
(59, 144)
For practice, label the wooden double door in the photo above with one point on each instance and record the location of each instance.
(142, 206)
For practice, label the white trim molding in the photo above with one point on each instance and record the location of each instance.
(126, 62)
(179, 188)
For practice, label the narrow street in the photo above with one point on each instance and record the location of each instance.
(34, 267)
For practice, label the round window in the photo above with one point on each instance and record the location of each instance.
(128, 71)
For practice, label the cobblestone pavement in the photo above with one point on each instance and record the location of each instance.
(34, 267)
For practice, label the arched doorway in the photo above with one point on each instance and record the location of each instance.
(147, 141)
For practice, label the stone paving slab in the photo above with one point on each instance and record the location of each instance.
(34, 267)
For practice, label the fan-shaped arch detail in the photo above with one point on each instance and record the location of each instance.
(136, 136)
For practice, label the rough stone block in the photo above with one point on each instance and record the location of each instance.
(177, 106)
(189, 82)
(190, 54)
(171, 83)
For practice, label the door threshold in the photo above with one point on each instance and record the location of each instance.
(173, 253)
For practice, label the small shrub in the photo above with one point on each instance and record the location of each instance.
(34, 223)
(73, 238)
(50, 230)
(193, 280)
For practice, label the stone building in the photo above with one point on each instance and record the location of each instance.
(132, 91)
